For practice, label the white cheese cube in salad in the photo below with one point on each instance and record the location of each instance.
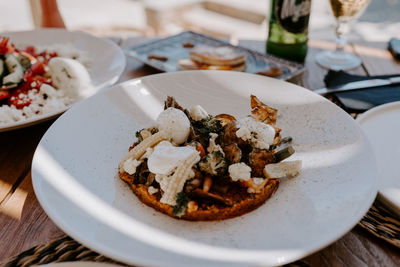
(257, 185)
(283, 169)
(260, 134)
(152, 190)
(197, 113)
(239, 172)
(130, 165)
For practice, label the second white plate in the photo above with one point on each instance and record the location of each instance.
(107, 61)
(74, 173)
(382, 127)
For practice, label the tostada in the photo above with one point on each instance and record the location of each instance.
(195, 166)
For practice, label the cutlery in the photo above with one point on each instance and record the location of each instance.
(352, 86)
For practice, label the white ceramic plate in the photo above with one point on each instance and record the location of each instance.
(107, 60)
(74, 173)
(382, 127)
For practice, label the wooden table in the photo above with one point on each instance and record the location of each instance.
(24, 224)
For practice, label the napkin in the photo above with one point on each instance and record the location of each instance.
(362, 100)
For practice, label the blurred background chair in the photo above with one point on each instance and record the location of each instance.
(45, 13)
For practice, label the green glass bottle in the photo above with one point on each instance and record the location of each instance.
(288, 29)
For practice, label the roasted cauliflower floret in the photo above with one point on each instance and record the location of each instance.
(214, 164)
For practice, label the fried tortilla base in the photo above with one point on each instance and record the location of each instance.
(243, 202)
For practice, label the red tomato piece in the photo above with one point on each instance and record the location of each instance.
(5, 47)
(4, 94)
(42, 80)
(53, 54)
(30, 50)
(38, 68)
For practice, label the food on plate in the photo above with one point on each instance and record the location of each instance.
(214, 58)
(39, 80)
(157, 57)
(71, 76)
(188, 45)
(195, 166)
(271, 72)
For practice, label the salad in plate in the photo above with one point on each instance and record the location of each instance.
(39, 80)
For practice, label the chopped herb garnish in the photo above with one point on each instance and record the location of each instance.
(204, 127)
(182, 201)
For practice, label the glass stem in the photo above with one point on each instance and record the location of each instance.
(340, 31)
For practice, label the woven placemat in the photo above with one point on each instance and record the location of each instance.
(382, 223)
(378, 221)
(63, 249)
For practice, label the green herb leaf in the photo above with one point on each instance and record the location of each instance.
(181, 204)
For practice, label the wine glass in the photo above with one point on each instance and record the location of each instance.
(345, 12)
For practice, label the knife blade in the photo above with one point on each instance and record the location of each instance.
(359, 85)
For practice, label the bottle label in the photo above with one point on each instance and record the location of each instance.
(293, 15)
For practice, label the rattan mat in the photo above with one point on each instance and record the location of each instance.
(378, 221)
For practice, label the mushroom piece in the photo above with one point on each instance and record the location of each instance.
(225, 118)
(233, 153)
(229, 135)
(198, 193)
(150, 178)
(141, 174)
(258, 158)
(195, 182)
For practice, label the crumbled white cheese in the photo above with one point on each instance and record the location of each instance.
(130, 165)
(251, 190)
(213, 146)
(197, 113)
(175, 124)
(243, 133)
(152, 190)
(257, 182)
(260, 134)
(239, 171)
(162, 180)
(46, 100)
(283, 169)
